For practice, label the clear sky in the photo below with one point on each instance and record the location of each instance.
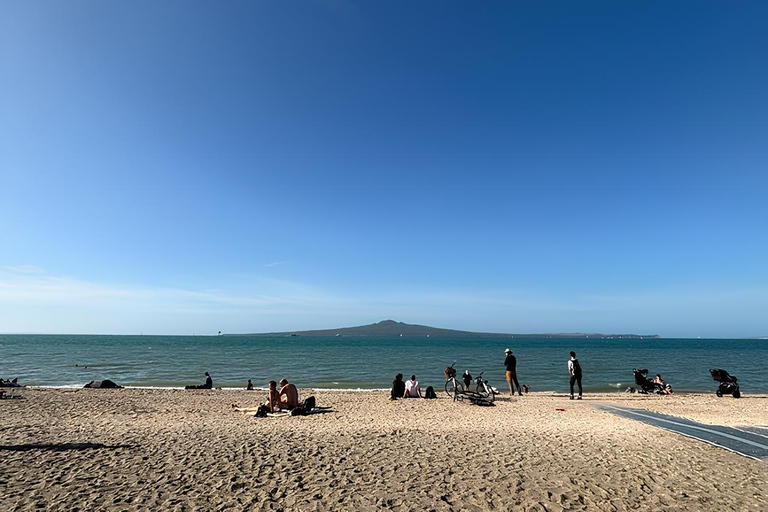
(251, 166)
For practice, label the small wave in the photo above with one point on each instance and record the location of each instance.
(349, 390)
(61, 386)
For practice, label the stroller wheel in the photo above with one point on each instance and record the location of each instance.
(736, 394)
(719, 393)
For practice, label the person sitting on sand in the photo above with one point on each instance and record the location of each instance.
(249, 386)
(208, 383)
(272, 404)
(412, 388)
(289, 395)
(666, 387)
(398, 387)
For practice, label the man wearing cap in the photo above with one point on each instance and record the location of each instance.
(511, 363)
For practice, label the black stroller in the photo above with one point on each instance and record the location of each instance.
(728, 383)
(645, 385)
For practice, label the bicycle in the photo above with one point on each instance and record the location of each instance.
(484, 389)
(453, 387)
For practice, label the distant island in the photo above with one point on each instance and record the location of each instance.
(393, 328)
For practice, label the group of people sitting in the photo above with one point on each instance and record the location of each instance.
(284, 399)
(409, 388)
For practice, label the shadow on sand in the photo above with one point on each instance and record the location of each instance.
(61, 447)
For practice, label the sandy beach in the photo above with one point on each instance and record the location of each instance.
(134, 449)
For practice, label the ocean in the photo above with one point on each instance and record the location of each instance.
(370, 363)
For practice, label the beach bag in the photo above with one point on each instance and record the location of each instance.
(430, 393)
(305, 407)
(261, 412)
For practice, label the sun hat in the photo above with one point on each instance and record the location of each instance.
(508, 351)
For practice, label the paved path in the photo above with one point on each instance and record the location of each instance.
(750, 442)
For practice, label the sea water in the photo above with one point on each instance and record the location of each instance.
(372, 362)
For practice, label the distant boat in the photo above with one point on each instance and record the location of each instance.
(401, 335)
(337, 335)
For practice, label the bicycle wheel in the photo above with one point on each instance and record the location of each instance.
(485, 390)
(452, 388)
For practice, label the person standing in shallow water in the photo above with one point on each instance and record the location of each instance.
(574, 369)
(510, 361)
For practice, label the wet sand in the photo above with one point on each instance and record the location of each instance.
(136, 449)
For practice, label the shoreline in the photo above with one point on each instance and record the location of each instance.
(601, 391)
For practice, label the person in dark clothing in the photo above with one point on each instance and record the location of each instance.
(208, 383)
(511, 363)
(467, 378)
(398, 387)
(574, 369)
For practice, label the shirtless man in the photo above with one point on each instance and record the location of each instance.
(289, 395)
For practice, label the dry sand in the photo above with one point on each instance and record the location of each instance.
(187, 450)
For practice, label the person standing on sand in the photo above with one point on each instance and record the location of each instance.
(510, 361)
(289, 395)
(574, 369)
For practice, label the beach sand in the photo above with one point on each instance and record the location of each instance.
(135, 449)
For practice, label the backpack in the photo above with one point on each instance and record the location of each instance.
(305, 407)
(430, 393)
(576, 368)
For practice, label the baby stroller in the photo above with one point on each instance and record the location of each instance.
(728, 383)
(644, 385)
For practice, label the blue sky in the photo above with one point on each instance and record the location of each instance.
(189, 167)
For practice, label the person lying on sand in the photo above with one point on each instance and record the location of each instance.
(289, 395)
